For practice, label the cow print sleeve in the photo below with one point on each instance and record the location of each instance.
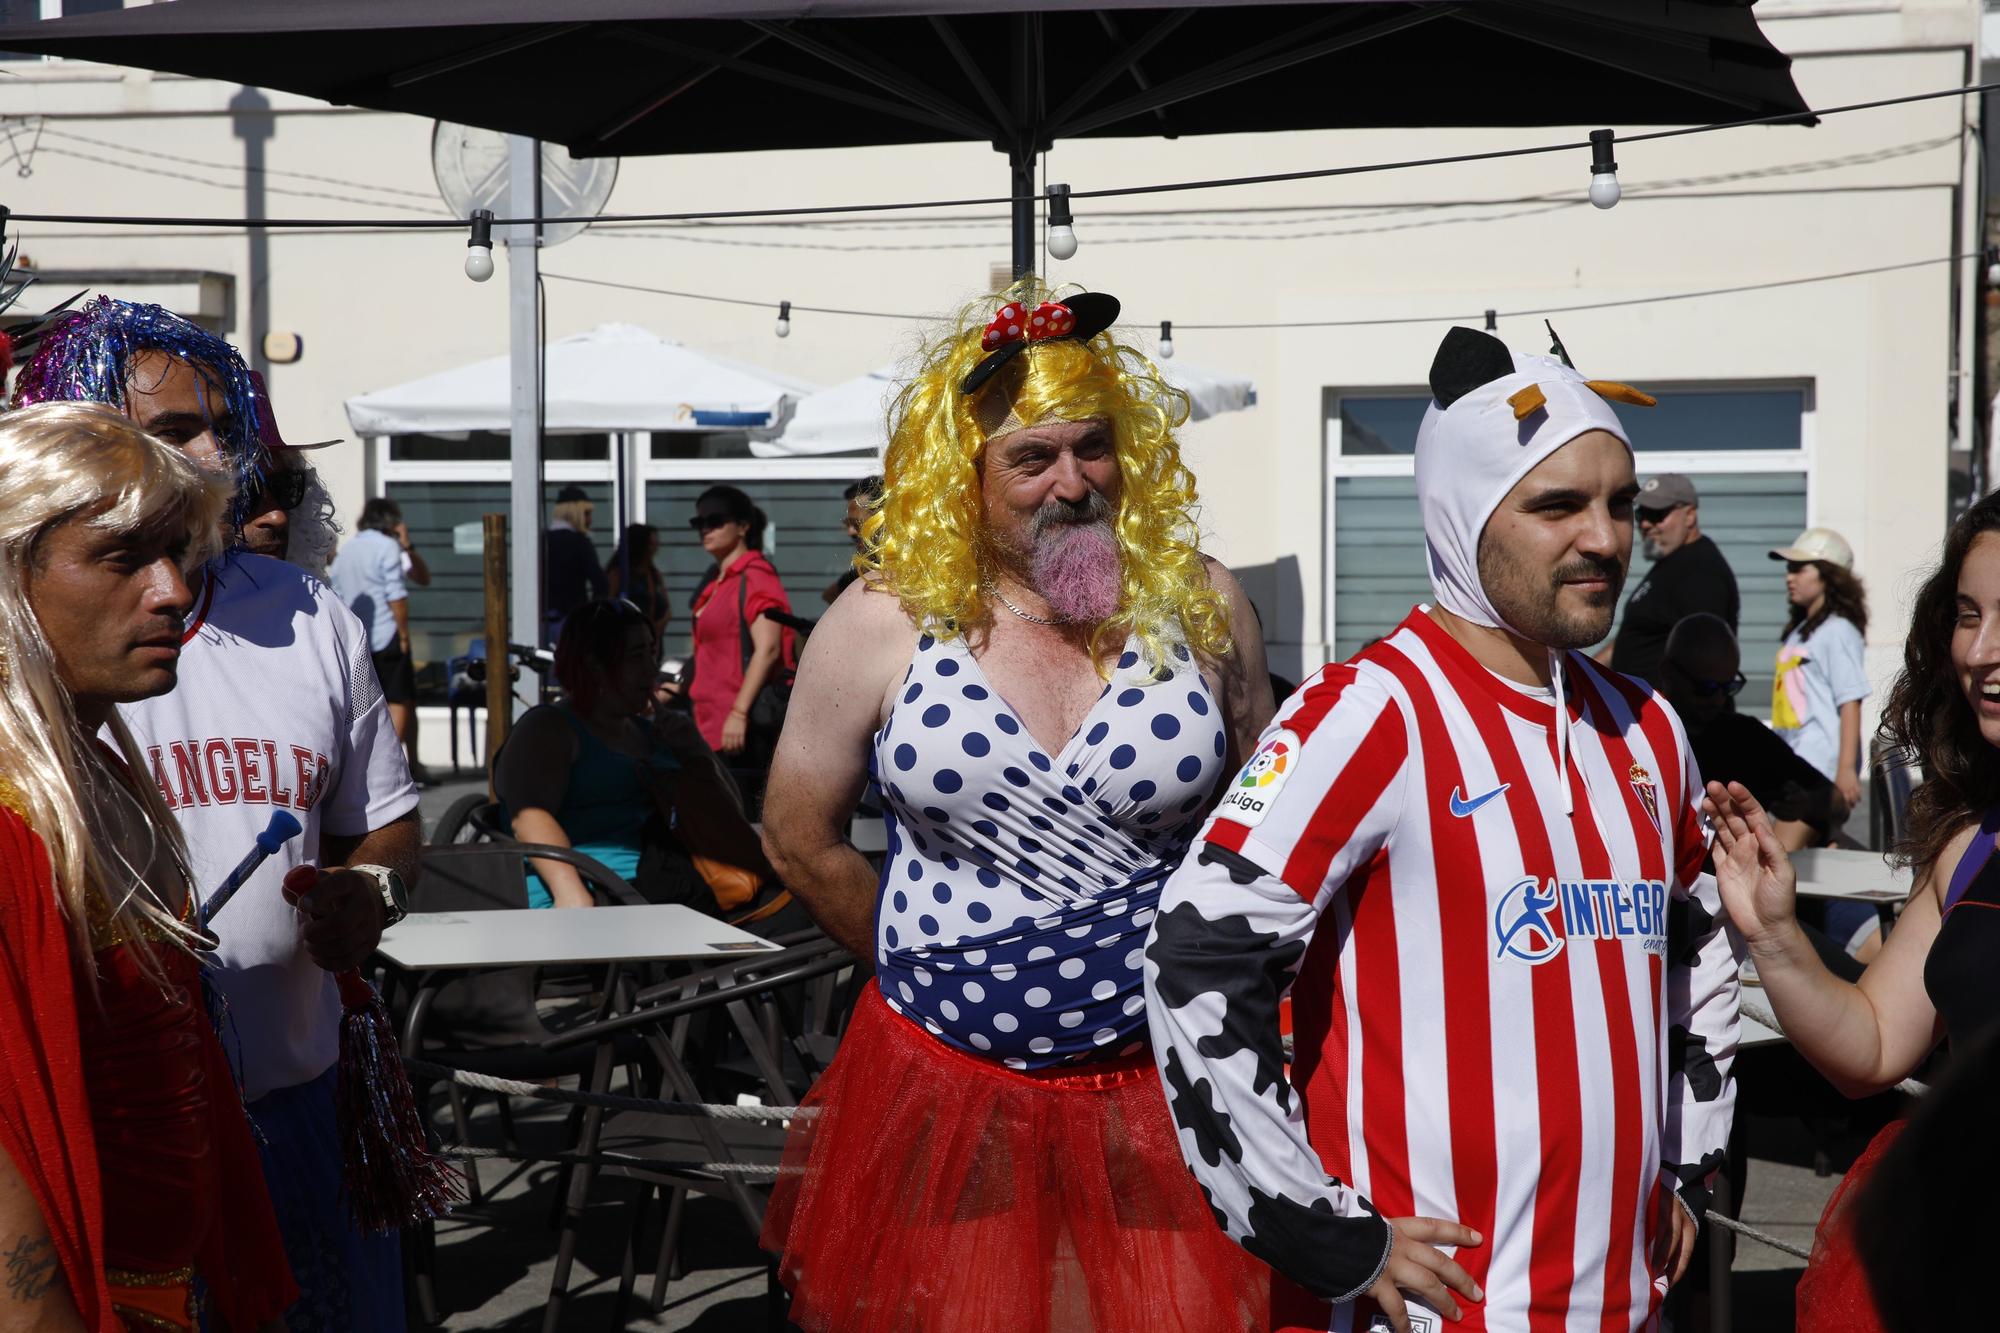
(1225, 948)
(1702, 997)
(1223, 951)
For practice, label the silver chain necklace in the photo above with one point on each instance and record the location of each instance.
(1033, 620)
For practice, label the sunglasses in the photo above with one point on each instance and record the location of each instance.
(1797, 566)
(278, 490)
(709, 522)
(1650, 516)
(1709, 688)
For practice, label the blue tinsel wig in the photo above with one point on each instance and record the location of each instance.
(87, 357)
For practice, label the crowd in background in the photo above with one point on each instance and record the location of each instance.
(631, 781)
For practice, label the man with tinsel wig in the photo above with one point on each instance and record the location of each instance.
(1049, 681)
(277, 709)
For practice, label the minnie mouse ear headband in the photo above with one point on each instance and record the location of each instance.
(267, 421)
(1081, 317)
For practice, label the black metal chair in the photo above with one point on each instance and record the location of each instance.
(1893, 779)
(692, 1154)
(455, 824)
(489, 1022)
(489, 820)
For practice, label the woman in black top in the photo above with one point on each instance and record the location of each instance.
(1939, 972)
(633, 575)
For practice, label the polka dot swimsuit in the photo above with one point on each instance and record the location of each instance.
(1018, 885)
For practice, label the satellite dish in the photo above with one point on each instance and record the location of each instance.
(471, 169)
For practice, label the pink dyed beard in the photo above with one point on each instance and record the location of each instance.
(1077, 571)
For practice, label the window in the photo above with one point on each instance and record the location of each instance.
(446, 616)
(1746, 448)
(446, 483)
(1699, 420)
(490, 446)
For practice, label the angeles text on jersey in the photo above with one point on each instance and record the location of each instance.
(236, 770)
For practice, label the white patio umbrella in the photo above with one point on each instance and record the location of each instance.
(848, 417)
(613, 377)
(1212, 392)
(851, 416)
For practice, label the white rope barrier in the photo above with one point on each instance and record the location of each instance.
(1761, 1237)
(749, 1170)
(605, 1100)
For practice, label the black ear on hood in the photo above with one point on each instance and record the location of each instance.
(1465, 360)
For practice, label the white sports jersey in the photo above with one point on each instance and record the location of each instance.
(1491, 1023)
(277, 708)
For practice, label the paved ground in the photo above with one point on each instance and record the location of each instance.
(495, 1259)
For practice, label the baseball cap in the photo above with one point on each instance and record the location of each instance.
(1817, 544)
(1666, 491)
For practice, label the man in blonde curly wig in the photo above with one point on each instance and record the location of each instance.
(1048, 681)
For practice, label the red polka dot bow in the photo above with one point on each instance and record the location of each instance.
(1016, 323)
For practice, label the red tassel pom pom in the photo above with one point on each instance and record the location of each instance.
(393, 1179)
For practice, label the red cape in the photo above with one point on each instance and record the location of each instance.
(45, 1122)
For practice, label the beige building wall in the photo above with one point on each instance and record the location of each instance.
(1857, 191)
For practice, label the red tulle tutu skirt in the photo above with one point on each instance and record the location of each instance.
(1833, 1294)
(936, 1192)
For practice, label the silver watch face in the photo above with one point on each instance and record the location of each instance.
(395, 896)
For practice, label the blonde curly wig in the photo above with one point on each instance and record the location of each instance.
(926, 538)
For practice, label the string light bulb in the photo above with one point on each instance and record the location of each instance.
(1604, 191)
(1166, 340)
(1993, 266)
(1062, 234)
(479, 249)
(784, 319)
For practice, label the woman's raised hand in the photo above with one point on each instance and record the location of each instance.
(1758, 884)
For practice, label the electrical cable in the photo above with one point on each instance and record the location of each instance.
(991, 201)
(71, 154)
(1472, 317)
(42, 129)
(1105, 227)
(797, 307)
(1616, 304)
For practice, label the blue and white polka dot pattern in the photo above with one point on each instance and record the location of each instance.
(1018, 885)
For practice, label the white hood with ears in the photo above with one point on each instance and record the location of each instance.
(1495, 415)
(1472, 450)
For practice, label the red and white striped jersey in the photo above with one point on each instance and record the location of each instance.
(1493, 1021)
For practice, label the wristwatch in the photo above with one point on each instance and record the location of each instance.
(395, 896)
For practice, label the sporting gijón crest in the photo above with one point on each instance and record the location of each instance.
(1648, 794)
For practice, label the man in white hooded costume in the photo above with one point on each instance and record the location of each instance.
(1459, 853)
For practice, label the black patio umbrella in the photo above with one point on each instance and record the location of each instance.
(638, 77)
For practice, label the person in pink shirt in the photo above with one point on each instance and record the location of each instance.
(737, 652)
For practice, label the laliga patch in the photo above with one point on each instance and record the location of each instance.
(1257, 786)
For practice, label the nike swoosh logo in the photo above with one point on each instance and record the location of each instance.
(1462, 807)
